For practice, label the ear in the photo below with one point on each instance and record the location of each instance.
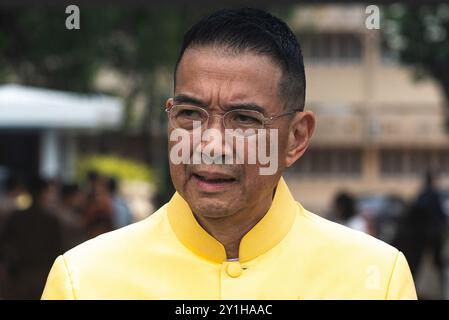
(169, 103)
(300, 131)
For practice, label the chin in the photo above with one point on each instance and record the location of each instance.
(212, 208)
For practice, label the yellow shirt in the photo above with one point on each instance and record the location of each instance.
(290, 254)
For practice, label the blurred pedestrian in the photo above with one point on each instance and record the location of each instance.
(98, 215)
(9, 201)
(422, 229)
(345, 213)
(69, 212)
(30, 241)
(121, 213)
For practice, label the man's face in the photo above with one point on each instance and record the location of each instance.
(219, 83)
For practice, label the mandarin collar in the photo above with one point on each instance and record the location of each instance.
(266, 234)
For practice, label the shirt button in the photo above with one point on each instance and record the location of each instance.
(234, 269)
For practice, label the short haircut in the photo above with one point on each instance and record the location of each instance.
(69, 190)
(256, 31)
(38, 186)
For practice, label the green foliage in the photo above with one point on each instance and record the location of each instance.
(113, 166)
(36, 49)
(420, 36)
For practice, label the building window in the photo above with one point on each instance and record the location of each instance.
(330, 48)
(413, 162)
(391, 162)
(330, 162)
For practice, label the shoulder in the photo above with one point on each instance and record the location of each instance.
(105, 266)
(341, 242)
(355, 263)
(125, 241)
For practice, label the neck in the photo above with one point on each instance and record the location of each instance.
(230, 230)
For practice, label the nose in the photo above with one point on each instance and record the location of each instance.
(216, 122)
(213, 143)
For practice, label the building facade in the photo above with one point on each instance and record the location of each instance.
(378, 129)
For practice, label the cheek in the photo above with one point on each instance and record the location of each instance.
(177, 171)
(178, 175)
(258, 187)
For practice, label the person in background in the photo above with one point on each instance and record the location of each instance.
(423, 227)
(121, 214)
(98, 213)
(14, 187)
(70, 214)
(9, 202)
(30, 241)
(345, 213)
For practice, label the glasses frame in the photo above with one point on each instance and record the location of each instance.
(264, 119)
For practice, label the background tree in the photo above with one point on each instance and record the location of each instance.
(36, 49)
(140, 44)
(420, 36)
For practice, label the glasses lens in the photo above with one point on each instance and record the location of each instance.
(244, 120)
(185, 117)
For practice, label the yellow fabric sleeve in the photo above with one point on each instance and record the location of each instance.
(401, 286)
(59, 283)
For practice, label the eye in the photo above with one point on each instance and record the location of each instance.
(189, 114)
(246, 119)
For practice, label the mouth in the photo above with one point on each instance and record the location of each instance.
(213, 181)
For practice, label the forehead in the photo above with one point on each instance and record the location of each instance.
(215, 76)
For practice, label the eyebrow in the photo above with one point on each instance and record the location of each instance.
(182, 98)
(247, 106)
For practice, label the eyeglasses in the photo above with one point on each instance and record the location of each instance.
(184, 116)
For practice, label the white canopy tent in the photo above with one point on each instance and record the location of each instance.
(55, 115)
(28, 107)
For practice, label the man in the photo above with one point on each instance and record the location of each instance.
(422, 229)
(30, 241)
(122, 215)
(69, 212)
(232, 231)
(9, 201)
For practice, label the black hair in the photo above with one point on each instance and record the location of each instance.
(256, 31)
(69, 189)
(346, 205)
(38, 186)
(112, 185)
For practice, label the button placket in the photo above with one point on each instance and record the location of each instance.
(232, 280)
(234, 269)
